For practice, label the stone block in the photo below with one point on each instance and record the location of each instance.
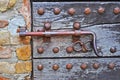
(5, 53)
(3, 23)
(7, 68)
(4, 37)
(23, 67)
(24, 52)
(6, 4)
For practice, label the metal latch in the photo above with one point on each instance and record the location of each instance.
(49, 33)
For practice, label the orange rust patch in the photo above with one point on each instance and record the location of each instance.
(24, 53)
(3, 78)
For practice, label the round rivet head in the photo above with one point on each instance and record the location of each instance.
(111, 66)
(56, 50)
(40, 50)
(69, 49)
(47, 26)
(69, 66)
(76, 25)
(116, 10)
(57, 11)
(113, 49)
(55, 67)
(87, 11)
(83, 66)
(96, 65)
(71, 11)
(40, 67)
(40, 11)
(101, 10)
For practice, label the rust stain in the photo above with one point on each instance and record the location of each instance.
(3, 23)
(3, 78)
(25, 11)
(25, 40)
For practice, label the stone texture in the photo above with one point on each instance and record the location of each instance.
(7, 68)
(3, 5)
(23, 67)
(27, 77)
(13, 48)
(5, 53)
(3, 23)
(11, 3)
(6, 4)
(25, 40)
(4, 37)
(3, 78)
(24, 52)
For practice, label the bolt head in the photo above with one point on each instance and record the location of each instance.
(69, 66)
(47, 26)
(76, 25)
(69, 49)
(116, 10)
(96, 65)
(71, 11)
(83, 66)
(56, 50)
(57, 11)
(40, 11)
(40, 67)
(101, 10)
(40, 50)
(111, 66)
(55, 67)
(87, 11)
(113, 49)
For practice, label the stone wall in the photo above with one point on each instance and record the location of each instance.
(15, 51)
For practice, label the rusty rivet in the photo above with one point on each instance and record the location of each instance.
(55, 67)
(113, 49)
(47, 26)
(40, 50)
(57, 11)
(40, 67)
(116, 10)
(40, 11)
(71, 11)
(83, 66)
(96, 65)
(87, 11)
(69, 49)
(76, 25)
(56, 50)
(101, 10)
(111, 66)
(69, 66)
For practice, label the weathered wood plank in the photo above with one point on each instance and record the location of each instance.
(65, 18)
(76, 73)
(108, 35)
